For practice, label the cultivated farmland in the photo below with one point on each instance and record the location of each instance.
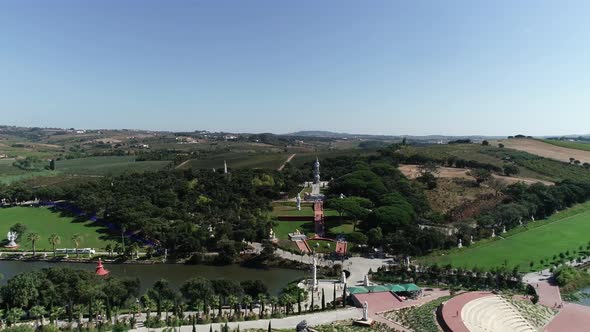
(547, 150)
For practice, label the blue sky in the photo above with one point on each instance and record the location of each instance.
(384, 67)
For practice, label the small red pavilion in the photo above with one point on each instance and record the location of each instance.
(100, 270)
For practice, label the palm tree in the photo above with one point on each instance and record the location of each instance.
(38, 312)
(14, 315)
(247, 301)
(232, 300)
(167, 305)
(262, 299)
(54, 239)
(109, 248)
(77, 238)
(33, 237)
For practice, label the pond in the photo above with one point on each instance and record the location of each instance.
(275, 278)
(584, 300)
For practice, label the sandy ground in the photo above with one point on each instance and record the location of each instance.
(546, 150)
(411, 171)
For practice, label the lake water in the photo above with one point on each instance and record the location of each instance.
(275, 278)
(585, 300)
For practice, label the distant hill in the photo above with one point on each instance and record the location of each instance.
(428, 138)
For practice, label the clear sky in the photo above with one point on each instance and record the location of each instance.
(365, 66)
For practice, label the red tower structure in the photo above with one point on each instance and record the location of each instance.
(318, 217)
(100, 270)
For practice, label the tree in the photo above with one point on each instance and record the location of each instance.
(33, 238)
(14, 315)
(54, 239)
(572, 159)
(500, 145)
(52, 164)
(510, 170)
(38, 312)
(485, 143)
(197, 289)
(480, 175)
(77, 239)
(19, 228)
(496, 184)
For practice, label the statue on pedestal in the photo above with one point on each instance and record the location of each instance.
(316, 171)
(12, 236)
(366, 311)
(493, 233)
(460, 245)
(298, 198)
(271, 234)
(343, 277)
(504, 230)
(471, 239)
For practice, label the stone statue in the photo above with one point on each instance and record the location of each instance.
(504, 229)
(298, 198)
(271, 234)
(12, 236)
(520, 221)
(316, 171)
(341, 195)
(302, 326)
(343, 277)
(460, 245)
(533, 218)
(365, 311)
(366, 280)
(224, 167)
(493, 233)
(471, 239)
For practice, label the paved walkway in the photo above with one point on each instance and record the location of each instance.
(572, 318)
(451, 310)
(286, 161)
(313, 319)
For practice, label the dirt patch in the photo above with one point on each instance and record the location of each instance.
(547, 150)
(411, 171)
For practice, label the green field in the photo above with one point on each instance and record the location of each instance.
(567, 230)
(111, 165)
(283, 228)
(571, 145)
(45, 221)
(240, 160)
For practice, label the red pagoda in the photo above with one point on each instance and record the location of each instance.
(100, 270)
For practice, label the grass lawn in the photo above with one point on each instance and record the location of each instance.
(45, 221)
(340, 229)
(322, 246)
(283, 228)
(564, 231)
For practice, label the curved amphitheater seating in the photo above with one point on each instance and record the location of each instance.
(493, 314)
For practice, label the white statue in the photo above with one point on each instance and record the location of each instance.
(504, 230)
(271, 234)
(460, 245)
(520, 221)
(365, 311)
(343, 277)
(341, 195)
(298, 198)
(471, 239)
(12, 236)
(533, 218)
(408, 260)
(366, 280)
(224, 167)
(493, 233)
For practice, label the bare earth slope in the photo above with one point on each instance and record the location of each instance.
(547, 150)
(411, 171)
